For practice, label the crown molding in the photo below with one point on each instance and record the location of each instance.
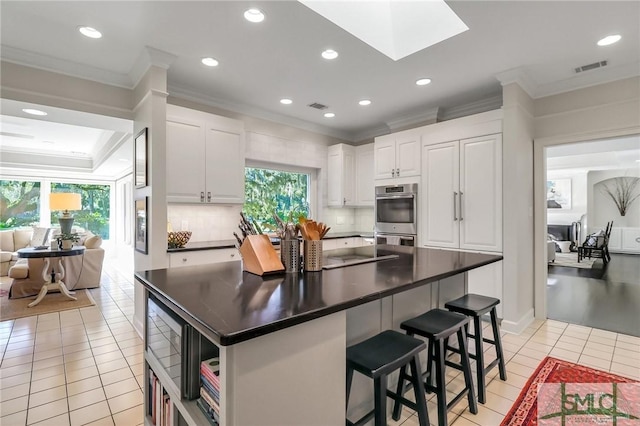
(483, 105)
(521, 78)
(408, 120)
(150, 56)
(73, 69)
(191, 95)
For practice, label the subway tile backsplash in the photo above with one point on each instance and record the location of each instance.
(218, 222)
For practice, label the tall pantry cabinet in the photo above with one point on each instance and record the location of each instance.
(205, 157)
(461, 193)
(463, 187)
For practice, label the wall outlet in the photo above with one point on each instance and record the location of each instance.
(184, 225)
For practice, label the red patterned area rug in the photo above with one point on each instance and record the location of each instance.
(567, 380)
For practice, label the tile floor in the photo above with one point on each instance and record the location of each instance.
(85, 366)
(75, 367)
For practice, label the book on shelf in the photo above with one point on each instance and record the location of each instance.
(212, 390)
(210, 415)
(210, 368)
(209, 401)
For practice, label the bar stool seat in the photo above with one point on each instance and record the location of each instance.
(437, 325)
(474, 306)
(376, 358)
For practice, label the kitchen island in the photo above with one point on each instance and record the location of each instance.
(281, 339)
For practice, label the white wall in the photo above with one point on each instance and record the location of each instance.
(602, 209)
(578, 198)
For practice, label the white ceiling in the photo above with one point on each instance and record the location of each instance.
(611, 154)
(261, 63)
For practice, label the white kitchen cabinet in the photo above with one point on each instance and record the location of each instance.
(340, 175)
(205, 157)
(202, 257)
(365, 183)
(349, 242)
(487, 281)
(462, 194)
(623, 240)
(397, 155)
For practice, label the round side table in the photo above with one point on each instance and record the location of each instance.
(47, 254)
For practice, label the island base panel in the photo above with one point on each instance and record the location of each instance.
(294, 376)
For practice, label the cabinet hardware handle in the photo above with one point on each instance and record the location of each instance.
(461, 206)
(638, 240)
(393, 172)
(233, 254)
(209, 197)
(202, 197)
(397, 172)
(344, 201)
(455, 213)
(184, 259)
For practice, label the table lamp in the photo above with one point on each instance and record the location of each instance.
(65, 201)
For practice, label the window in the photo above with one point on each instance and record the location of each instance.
(268, 190)
(94, 215)
(19, 203)
(22, 202)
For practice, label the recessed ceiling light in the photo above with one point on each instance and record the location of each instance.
(90, 32)
(365, 102)
(329, 115)
(254, 15)
(423, 81)
(286, 101)
(33, 111)
(609, 40)
(329, 54)
(210, 62)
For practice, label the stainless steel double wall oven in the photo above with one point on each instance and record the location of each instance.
(396, 214)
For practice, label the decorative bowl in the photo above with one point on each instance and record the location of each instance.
(178, 239)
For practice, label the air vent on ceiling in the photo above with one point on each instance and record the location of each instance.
(592, 66)
(318, 105)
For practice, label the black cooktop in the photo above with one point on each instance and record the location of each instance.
(353, 256)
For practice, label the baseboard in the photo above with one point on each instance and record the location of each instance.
(517, 327)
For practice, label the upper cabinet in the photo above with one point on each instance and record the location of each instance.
(350, 176)
(365, 184)
(397, 155)
(462, 194)
(340, 175)
(205, 157)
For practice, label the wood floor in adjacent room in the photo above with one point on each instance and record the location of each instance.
(604, 297)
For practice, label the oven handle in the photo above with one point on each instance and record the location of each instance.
(395, 196)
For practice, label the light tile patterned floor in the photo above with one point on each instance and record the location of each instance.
(75, 367)
(85, 366)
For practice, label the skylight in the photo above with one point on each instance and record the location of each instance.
(396, 28)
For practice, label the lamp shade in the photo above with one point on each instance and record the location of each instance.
(65, 201)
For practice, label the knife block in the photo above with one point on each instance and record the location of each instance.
(258, 255)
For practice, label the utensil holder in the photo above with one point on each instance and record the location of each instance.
(290, 255)
(313, 255)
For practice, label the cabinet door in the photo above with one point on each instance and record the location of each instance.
(481, 193)
(385, 158)
(440, 211)
(349, 177)
(185, 161)
(408, 157)
(631, 240)
(365, 186)
(224, 167)
(334, 177)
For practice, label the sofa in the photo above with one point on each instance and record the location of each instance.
(82, 271)
(12, 240)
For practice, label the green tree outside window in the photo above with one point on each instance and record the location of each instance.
(266, 191)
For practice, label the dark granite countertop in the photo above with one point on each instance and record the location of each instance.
(204, 245)
(231, 306)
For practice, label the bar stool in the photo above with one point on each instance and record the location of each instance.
(438, 325)
(376, 358)
(474, 306)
